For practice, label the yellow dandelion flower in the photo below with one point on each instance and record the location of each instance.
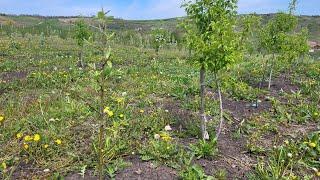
(36, 137)
(119, 100)
(312, 145)
(106, 109)
(28, 138)
(286, 142)
(25, 146)
(141, 111)
(4, 165)
(165, 137)
(110, 113)
(318, 174)
(315, 114)
(19, 135)
(46, 146)
(58, 141)
(1, 118)
(121, 115)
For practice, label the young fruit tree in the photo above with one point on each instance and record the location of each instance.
(276, 33)
(212, 36)
(293, 47)
(250, 26)
(158, 38)
(82, 34)
(100, 73)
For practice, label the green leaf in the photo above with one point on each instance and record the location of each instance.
(107, 54)
(109, 63)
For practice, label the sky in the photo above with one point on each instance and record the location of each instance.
(142, 9)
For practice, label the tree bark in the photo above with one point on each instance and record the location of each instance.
(262, 79)
(80, 62)
(271, 71)
(204, 132)
(101, 129)
(221, 107)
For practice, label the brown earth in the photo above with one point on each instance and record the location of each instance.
(233, 155)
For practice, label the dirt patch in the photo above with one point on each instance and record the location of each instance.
(279, 83)
(182, 116)
(232, 157)
(137, 170)
(235, 168)
(10, 76)
(146, 170)
(28, 171)
(283, 83)
(89, 175)
(242, 109)
(297, 130)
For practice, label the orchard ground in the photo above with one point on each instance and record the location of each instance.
(41, 90)
(44, 92)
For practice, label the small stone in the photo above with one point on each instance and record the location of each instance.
(52, 120)
(46, 170)
(206, 135)
(156, 136)
(153, 166)
(168, 128)
(139, 171)
(267, 98)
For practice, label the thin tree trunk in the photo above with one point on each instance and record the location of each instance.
(271, 71)
(81, 59)
(221, 107)
(204, 132)
(101, 129)
(262, 79)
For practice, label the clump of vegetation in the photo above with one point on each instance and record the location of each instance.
(158, 38)
(162, 150)
(205, 149)
(133, 114)
(194, 172)
(278, 38)
(212, 37)
(82, 34)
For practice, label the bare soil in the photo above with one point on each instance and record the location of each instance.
(233, 156)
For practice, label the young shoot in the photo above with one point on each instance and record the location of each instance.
(212, 36)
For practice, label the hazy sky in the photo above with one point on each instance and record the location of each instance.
(142, 9)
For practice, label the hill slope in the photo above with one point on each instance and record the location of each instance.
(310, 22)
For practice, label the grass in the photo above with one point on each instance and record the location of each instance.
(50, 126)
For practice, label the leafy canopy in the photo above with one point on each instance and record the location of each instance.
(249, 25)
(294, 45)
(158, 38)
(82, 32)
(211, 32)
(273, 32)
